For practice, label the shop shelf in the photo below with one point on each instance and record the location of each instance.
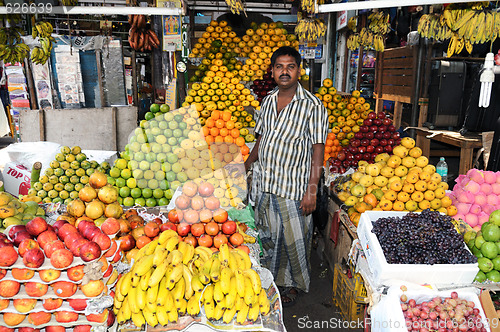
(349, 294)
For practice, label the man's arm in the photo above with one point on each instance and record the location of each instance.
(308, 203)
(254, 155)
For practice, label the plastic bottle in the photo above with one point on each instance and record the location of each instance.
(442, 169)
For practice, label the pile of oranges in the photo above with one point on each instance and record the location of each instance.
(332, 147)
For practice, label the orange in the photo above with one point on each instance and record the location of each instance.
(329, 142)
(245, 150)
(224, 132)
(230, 124)
(210, 122)
(219, 139)
(214, 131)
(331, 136)
(219, 123)
(209, 139)
(235, 133)
(226, 116)
(328, 149)
(206, 131)
(215, 114)
(240, 141)
(228, 139)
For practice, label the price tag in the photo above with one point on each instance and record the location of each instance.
(309, 53)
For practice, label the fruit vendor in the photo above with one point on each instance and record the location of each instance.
(292, 127)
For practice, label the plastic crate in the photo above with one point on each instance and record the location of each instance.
(349, 294)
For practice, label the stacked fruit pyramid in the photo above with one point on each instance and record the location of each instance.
(403, 181)
(476, 196)
(171, 278)
(15, 212)
(50, 272)
(67, 174)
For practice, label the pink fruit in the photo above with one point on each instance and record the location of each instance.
(458, 216)
(490, 177)
(476, 175)
(475, 208)
(486, 188)
(492, 199)
(461, 180)
(488, 209)
(498, 177)
(472, 187)
(480, 199)
(463, 208)
(471, 219)
(495, 187)
(476, 228)
(482, 218)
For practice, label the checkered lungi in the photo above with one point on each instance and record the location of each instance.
(286, 237)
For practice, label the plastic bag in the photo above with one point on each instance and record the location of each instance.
(245, 215)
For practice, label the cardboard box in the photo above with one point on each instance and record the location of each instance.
(438, 274)
(489, 310)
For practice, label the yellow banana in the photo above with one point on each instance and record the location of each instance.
(174, 258)
(182, 247)
(249, 293)
(196, 284)
(150, 317)
(240, 282)
(126, 284)
(178, 291)
(163, 292)
(253, 313)
(225, 279)
(174, 276)
(141, 253)
(242, 313)
(143, 265)
(233, 263)
(209, 309)
(173, 316)
(193, 306)
(204, 252)
(208, 293)
(160, 255)
(186, 274)
(171, 243)
(468, 47)
(119, 317)
(126, 312)
(165, 235)
(218, 294)
(158, 274)
(246, 258)
(229, 314)
(151, 247)
(215, 269)
(219, 311)
(182, 307)
(231, 296)
(189, 254)
(138, 319)
(464, 19)
(452, 45)
(255, 280)
(140, 298)
(134, 281)
(132, 295)
(205, 272)
(143, 283)
(152, 294)
(152, 306)
(224, 254)
(169, 303)
(264, 304)
(161, 315)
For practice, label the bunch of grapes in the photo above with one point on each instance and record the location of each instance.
(425, 238)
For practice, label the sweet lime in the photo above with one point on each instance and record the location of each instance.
(120, 182)
(131, 183)
(114, 172)
(154, 108)
(148, 116)
(169, 193)
(136, 193)
(140, 201)
(164, 108)
(111, 181)
(142, 183)
(158, 193)
(163, 201)
(146, 192)
(128, 201)
(124, 192)
(150, 202)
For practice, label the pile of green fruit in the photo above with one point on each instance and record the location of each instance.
(485, 245)
(68, 173)
(15, 212)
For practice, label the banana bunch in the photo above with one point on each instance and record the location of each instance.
(310, 29)
(353, 41)
(432, 26)
(307, 5)
(379, 22)
(241, 228)
(42, 29)
(40, 54)
(12, 47)
(140, 37)
(352, 23)
(171, 278)
(378, 43)
(69, 2)
(236, 6)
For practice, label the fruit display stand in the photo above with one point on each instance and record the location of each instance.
(73, 126)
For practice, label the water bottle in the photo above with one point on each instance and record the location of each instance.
(442, 169)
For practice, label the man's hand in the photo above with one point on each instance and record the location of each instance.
(235, 170)
(308, 202)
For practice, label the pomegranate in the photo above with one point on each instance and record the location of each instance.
(108, 194)
(113, 210)
(76, 208)
(98, 180)
(94, 209)
(87, 194)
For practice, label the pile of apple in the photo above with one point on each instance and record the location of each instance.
(44, 280)
(262, 87)
(377, 135)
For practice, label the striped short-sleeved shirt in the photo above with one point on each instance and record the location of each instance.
(285, 150)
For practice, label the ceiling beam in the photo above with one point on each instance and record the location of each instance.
(371, 4)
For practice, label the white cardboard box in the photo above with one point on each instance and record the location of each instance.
(383, 272)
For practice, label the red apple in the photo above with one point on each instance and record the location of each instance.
(78, 304)
(22, 274)
(36, 226)
(24, 305)
(6, 329)
(111, 251)
(91, 231)
(76, 246)
(90, 251)
(9, 288)
(39, 318)
(55, 329)
(58, 224)
(49, 275)
(83, 224)
(117, 256)
(26, 245)
(93, 288)
(34, 258)
(61, 258)
(35, 289)
(5, 242)
(66, 316)
(19, 237)
(53, 246)
(65, 230)
(70, 238)
(127, 242)
(16, 229)
(111, 318)
(8, 256)
(75, 273)
(98, 318)
(64, 288)
(28, 329)
(81, 328)
(102, 240)
(52, 304)
(111, 226)
(108, 272)
(45, 238)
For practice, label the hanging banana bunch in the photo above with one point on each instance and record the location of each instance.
(352, 23)
(310, 29)
(379, 22)
(42, 30)
(69, 2)
(307, 6)
(353, 41)
(12, 47)
(236, 6)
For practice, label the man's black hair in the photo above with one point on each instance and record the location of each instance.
(286, 50)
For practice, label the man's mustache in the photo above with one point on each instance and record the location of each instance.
(285, 75)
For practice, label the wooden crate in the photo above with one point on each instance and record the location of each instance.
(395, 79)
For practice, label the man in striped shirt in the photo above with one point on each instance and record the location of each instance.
(291, 127)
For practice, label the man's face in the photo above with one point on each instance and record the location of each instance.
(285, 71)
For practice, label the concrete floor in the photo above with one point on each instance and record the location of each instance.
(316, 308)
